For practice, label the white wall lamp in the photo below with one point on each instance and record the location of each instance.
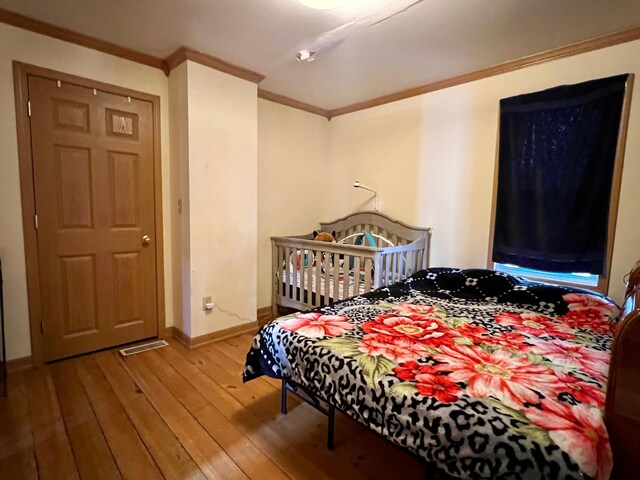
(376, 205)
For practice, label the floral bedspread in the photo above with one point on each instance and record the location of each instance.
(482, 374)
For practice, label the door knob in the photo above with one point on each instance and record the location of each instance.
(146, 240)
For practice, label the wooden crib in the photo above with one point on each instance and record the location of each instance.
(308, 273)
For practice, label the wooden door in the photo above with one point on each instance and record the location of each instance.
(94, 195)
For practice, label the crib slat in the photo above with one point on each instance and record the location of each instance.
(410, 263)
(299, 257)
(394, 266)
(277, 275)
(346, 284)
(303, 271)
(368, 264)
(356, 276)
(326, 274)
(280, 271)
(294, 272)
(336, 278)
(287, 268)
(318, 277)
(309, 287)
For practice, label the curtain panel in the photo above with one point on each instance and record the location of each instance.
(556, 162)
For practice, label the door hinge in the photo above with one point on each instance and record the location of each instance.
(41, 328)
(29, 107)
(35, 221)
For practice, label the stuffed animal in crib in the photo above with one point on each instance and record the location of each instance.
(324, 236)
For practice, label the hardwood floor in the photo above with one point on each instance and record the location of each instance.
(178, 414)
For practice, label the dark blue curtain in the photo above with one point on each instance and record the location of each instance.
(556, 160)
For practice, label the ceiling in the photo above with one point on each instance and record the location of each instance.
(434, 40)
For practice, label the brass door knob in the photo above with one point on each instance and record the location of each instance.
(146, 240)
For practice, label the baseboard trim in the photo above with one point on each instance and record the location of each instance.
(17, 364)
(167, 333)
(192, 342)
(264, 315)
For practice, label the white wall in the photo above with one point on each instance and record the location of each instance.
(179, 170)
(432, 158)
(292, 187)
(223, 178)
(44, 51)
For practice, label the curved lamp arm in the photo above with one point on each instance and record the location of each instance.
(376, 206)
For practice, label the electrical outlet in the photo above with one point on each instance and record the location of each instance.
(207, 304)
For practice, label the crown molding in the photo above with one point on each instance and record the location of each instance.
(290, 102)
(183, 54)
(584, 46)
(44, 28)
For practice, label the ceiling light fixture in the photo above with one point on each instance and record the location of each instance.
(374, 15)
(324, 4)
(306, 56)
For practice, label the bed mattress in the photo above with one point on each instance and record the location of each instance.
(481, 374)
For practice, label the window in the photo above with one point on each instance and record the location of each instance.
(573, 278)
(557, 178)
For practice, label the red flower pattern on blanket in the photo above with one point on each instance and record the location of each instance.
(439, 386)
(573, 355)
(578, 430)
(513, 340)
(409, 370)
(396, 348)
(584, 301)
(536, 325)
(316, 325)
(583, 392)
(414, 309)
(417, 328)
(588, 319)
(511, 379)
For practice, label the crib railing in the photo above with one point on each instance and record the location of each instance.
(310, 274)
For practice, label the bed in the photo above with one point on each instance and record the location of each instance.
(478, 373)
(372, 250)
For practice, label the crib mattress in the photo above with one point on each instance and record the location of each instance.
(340, 287)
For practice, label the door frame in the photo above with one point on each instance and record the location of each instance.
(21, 71)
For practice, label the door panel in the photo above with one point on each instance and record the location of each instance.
(94, 194)
(75, 193)
(129, 287)
(124, 180)
(79, 285)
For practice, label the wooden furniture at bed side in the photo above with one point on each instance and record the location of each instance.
(3, 350)
(622, 410)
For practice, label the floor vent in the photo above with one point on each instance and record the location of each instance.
(125, 352)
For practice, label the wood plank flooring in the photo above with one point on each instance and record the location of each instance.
(176, 413)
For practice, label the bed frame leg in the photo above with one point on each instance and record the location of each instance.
(283, 407)
(331, 417)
